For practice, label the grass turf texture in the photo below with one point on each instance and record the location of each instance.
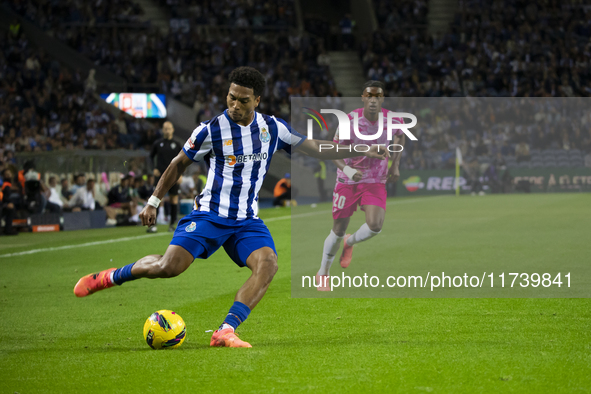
(53, 342)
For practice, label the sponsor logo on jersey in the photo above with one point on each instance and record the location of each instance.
(265, 136)
(191, 227)
(232, 160)
(227, 143)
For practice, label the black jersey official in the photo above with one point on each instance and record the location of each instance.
(163, 151)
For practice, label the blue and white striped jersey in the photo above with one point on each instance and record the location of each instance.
(239, 158)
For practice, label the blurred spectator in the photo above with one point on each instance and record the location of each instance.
(282, 191)
(147, 188)
(79, 182)
(471, 172)
(137, 185)
(187, 187)
(34, 201)
(51, 194)
(120, 196)
(7, 203)
(522, 152)
(90, 83)
(83, 198)
(65, 192)
(347, 25)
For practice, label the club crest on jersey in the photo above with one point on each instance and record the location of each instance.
(265, 136)
(191, 227)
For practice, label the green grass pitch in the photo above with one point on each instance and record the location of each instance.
(52, 342)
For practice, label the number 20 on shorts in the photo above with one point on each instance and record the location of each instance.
(338, 202)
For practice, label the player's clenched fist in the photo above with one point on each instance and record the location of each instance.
(358, 176)
(393, 174)
(148, 216)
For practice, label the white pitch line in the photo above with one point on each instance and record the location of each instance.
(110, 241)
(65, 247)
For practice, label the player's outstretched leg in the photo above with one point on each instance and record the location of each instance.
(263, 264)
(174, 262)
(332, 243)
(374, 218)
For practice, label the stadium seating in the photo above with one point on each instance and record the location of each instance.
(192, 65)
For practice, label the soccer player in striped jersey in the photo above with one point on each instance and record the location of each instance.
(238, 144)
(360, 182)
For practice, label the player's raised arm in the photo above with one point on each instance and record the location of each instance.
(167, 180)
(327, 150)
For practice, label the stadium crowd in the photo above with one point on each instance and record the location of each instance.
(57, 16)
(191, 63)
(494, 49)
(498, 49)
(45, 106)
(525, 132)
(257, 14)
(507, 50)
(25, 192)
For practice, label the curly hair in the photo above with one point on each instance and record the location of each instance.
(249, 78)
(373, 84)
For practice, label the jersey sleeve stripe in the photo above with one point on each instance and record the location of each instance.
(199, 144)
(288, 138)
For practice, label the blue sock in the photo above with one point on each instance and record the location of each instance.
(123, 274)
(237, 314)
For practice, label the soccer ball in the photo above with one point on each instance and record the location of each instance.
(164, 330)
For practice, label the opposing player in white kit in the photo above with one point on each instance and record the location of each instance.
(360, 181)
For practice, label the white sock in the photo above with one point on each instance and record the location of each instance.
(112, 275)
(331, 247)
(363, 234)
(226, 325)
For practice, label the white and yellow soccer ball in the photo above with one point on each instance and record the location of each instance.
(165, 330)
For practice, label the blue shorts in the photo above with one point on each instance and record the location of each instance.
(202, 233)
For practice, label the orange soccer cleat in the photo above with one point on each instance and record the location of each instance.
(92, 283)
(323, 282)
(347, 253)
(227, 338)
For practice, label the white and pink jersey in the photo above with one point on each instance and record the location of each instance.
(373, 170)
